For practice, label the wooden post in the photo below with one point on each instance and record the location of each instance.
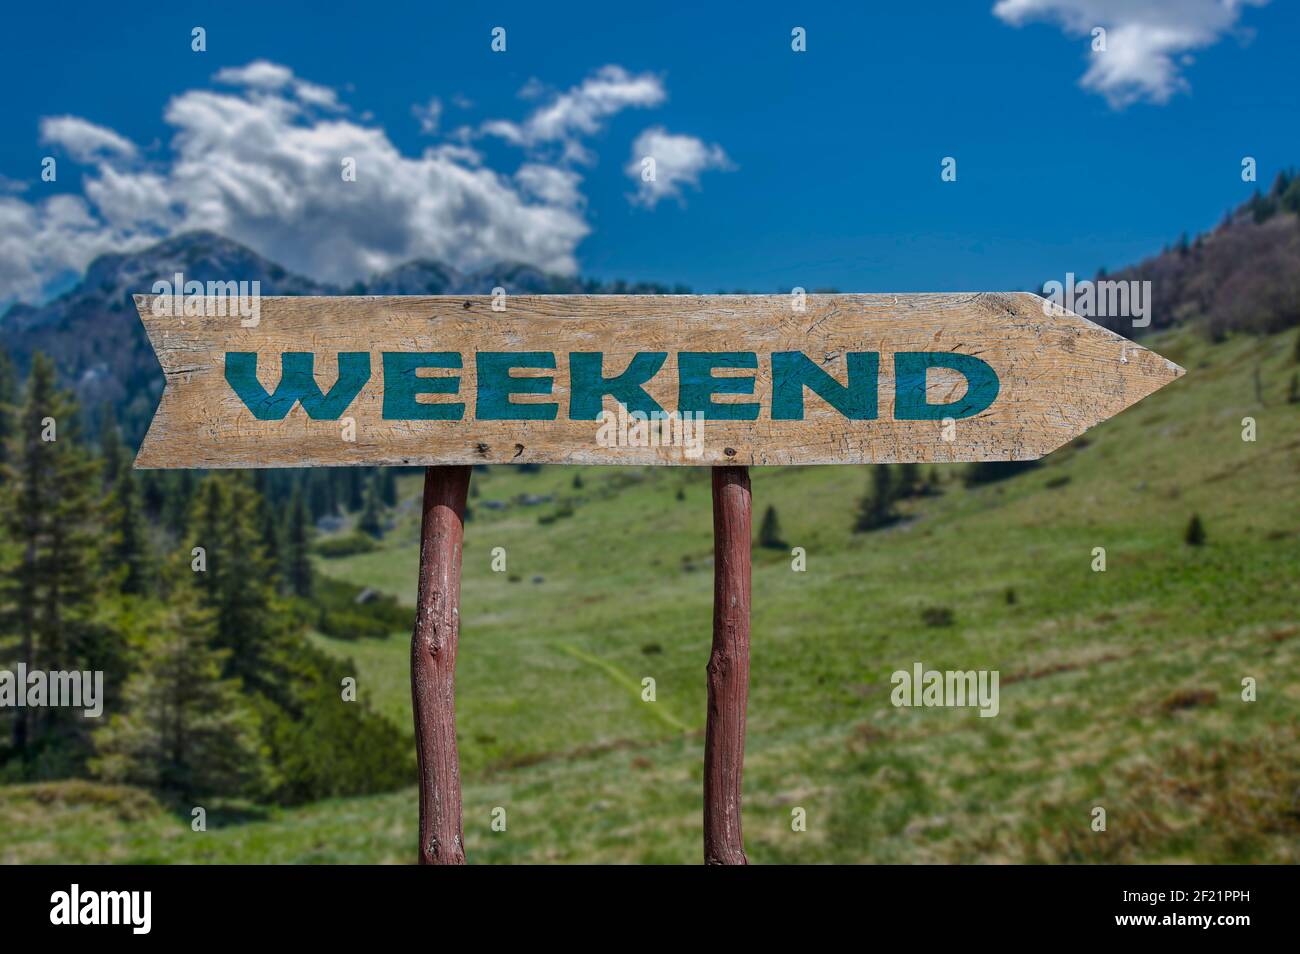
(433, 665)
(724, 734)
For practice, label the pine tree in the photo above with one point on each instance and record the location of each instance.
(876, 509)
(179, 498)
(237, 586)
(1290, 200)
(272, 544)
(185, 731)
(127, 553)
(1194, 535)
(111, 449)
(8, 407)
(769, 533)
(320, 495)
(298, 568)
(207, 524)
(270, 531)
(152, 496)
(388, 486)
(356, 489)
(47, 508)
(909, 480)
(370, 516)
(577, 481)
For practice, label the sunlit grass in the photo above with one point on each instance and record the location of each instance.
(1119, 689)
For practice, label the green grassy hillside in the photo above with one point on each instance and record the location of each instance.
(1120, 689)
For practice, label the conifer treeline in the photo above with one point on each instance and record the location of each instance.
(326, 491)
(191, 593)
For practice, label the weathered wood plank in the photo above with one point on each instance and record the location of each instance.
(1056, 376)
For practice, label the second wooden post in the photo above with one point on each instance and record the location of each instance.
(724, 734)
(433, 665)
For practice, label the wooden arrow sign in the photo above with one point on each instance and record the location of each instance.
(609, 379)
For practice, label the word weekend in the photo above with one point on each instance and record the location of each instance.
(793, 372)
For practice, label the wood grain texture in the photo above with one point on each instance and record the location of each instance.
(434, 644)
(1058, 375)
(728, 670)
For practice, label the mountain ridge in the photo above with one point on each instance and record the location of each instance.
(99, 347)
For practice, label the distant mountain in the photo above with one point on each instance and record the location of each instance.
(1243, 276)
(99, 346)
(95, 336)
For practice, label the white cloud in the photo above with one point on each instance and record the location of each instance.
(1147, 41)
(260, 162)
(551, 184)
(265, 76)
(429, 115)
(83, 140)
(260, 74)
(40, 244)
(579, 110)
(262, 165)
(678, 160)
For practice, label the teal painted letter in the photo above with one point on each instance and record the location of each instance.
(495, 385)
(909, 385)
(297, 383)
(588, 384)
(792, 371)
(402, 384)
(697, 385)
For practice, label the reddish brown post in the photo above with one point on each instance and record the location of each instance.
(433, 665)
(724, 733)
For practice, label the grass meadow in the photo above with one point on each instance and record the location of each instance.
(1120, 689)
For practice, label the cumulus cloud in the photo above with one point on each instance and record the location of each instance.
(260, 157)
(1148, 42)
(260, 74)
(40, 244)
(678, 160)
(83, 140)
(262, 164)
(428, 115)
(272, 77)
(551, 184)
(579, 111)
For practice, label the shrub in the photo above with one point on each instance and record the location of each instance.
(345, 610)
(345, 544)
(990, 471)
(769, 534)
(937, 616)
(876, 508)
(323, 747)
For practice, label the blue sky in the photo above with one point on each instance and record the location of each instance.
(775, 168)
